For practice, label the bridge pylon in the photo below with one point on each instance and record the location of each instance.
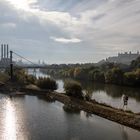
(11, 64)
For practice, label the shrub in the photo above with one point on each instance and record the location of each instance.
(47, 83)
(30, 79)
(4, 77)
(73, 88)
(21, 76)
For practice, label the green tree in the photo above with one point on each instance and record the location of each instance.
(129, 78)
(47, 83)
(135, 63)
(73, 88)
(114, 76)
(99, 76)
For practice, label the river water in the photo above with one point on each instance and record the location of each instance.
(33, 118)
(108, 94)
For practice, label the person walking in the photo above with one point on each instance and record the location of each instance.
(125, 101)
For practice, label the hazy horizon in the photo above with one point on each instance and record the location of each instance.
(72, 31)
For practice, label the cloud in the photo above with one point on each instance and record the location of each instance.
(66, 40)
(95, 27)
(23, 4)
(8, 25)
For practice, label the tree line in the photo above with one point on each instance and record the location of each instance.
(110, 73)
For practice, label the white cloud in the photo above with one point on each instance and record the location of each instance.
(22, 4)
(8, 25)
(100, 25)
(66, 40)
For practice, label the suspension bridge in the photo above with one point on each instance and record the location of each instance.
(12, 57)
(9, 60)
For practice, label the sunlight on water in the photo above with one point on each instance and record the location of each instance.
(9, 122)
(31, 118)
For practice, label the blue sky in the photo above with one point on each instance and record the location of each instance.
(70, 31)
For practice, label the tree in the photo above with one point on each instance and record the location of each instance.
(92, 73)
(81, 73)
(73, 88)
(47, 83)
(114, 76)
(132, 78)
(129, 78)
(135, 63)
(137, 74)
(99, 77)
(78, 73)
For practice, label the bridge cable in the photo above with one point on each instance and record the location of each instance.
(24, 58)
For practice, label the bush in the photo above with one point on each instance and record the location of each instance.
(21, 76)
(73, 88)
(47, 83)
(4, 77)
(30, 79)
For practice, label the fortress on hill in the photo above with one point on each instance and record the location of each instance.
(124, 58)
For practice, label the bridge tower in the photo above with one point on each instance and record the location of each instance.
(11, 64)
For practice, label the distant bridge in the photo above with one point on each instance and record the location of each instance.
(26, 67)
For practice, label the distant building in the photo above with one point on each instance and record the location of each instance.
(124, 58)
(19, 63)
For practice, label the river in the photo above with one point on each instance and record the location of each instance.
(108, 94)
(33, 118)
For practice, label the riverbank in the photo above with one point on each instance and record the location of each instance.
(123, 117)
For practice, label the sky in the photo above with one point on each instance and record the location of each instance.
(70, 31)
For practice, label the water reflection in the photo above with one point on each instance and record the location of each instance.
(9, 121)
(12, 124)
(112, 95)
(111, 90)
(109, 94)
(124, 132)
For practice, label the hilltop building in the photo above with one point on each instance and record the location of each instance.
(124, 58)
